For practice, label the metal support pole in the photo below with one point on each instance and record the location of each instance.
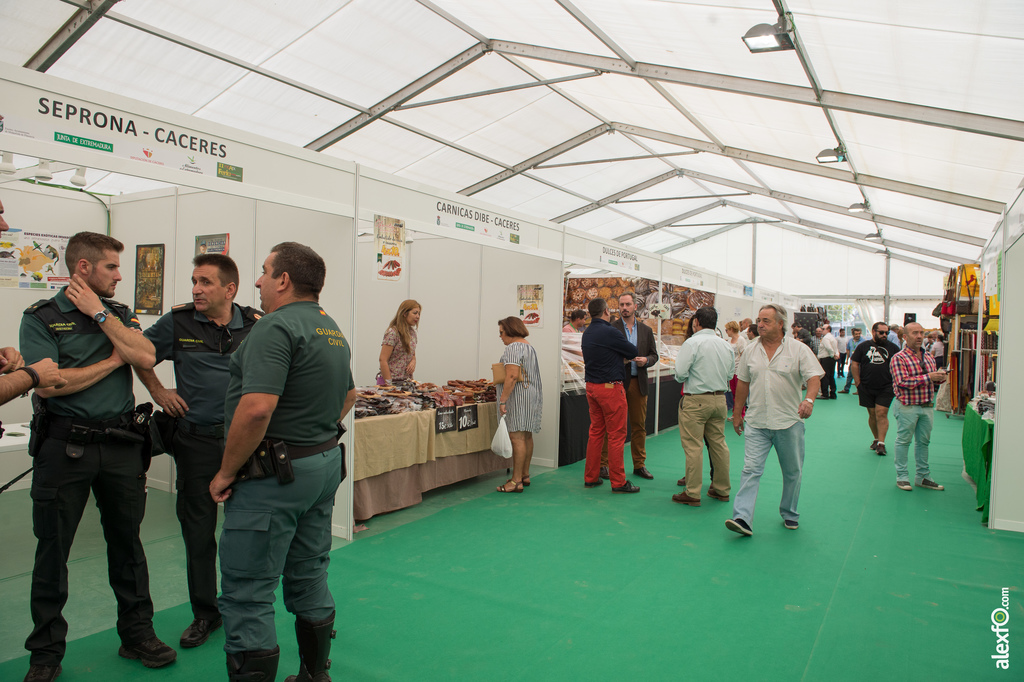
(888, 273)
(753, 254)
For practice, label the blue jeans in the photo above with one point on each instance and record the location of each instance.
(913, 422)
(789, 446)
(849, 380)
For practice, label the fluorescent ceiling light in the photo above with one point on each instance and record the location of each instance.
(769, 37)
(8, 163)
(43, 171)
(831, 155)
(859, 208)
(78, 179)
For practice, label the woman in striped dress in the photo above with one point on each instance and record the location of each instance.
(520, 399)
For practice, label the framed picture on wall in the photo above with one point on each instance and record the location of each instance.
(149, 279)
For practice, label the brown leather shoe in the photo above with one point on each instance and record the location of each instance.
(717, 495)
(683, 498)
(642, 472)
(681, 481)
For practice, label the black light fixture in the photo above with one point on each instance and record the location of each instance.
(832, 155)
(876, 237)
(770, 37)
(860, 207)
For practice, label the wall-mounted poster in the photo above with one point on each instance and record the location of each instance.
(149, 279)
(531, 304)
(33, 260)
(390, 240)
(213, 243)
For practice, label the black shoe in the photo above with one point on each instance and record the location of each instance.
(604, 473)
(153, 653)
(739, 526)
(642, 472)
(593, 484)
(199, 632)
(42, 673)
(254, 666)
(880, 449)
(790, 524)
(627, 488)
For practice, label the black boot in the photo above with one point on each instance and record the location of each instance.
(314, 648)
(253, 666)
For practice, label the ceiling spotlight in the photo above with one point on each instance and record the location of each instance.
(831, 155)
(876, 237)
(43, 171)
(78, 179)
(8, 163)
(859, 208)
(769, 37)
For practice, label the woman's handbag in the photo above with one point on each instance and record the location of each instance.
(498, 370)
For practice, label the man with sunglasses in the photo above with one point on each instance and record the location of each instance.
(199, 338)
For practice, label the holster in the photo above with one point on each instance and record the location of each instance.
(162, 427)
(37, 427)
(263, 462)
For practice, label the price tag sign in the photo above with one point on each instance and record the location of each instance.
(467, 417)
(444, 420)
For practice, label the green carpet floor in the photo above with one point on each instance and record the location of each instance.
(567, 583)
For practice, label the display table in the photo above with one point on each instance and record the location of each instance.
(14, 459)
(977, 446)
(399, 457)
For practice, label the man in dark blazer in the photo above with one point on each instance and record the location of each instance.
(635, 381)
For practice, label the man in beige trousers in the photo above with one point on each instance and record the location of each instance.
(704, 366)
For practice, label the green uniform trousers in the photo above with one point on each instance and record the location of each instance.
(274, 531)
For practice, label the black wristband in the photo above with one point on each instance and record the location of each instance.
(32, 373)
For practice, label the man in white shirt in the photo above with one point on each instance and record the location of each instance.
(704, 366)
(828, 354)
(770, 373)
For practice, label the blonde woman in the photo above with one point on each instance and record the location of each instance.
(739, 342)
(520, 399)
(398, 349)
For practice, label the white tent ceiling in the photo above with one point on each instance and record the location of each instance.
(662, 130)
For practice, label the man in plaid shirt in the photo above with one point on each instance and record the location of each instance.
(914, 377)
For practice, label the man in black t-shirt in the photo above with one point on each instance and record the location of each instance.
(870, 368)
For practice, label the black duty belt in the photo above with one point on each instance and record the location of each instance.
(300, 451)
(89, 431)
(708, 393)
(211, 431)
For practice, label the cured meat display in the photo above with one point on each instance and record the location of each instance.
(413, 396)
(680, 303)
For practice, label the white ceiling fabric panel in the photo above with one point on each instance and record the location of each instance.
(530, 197)
(448, 169)
(384, 146)
(281, 112)
(766, 203)
(727, 254)
(535, 22)
(793, 131)
(28, 25)
(925, 241)
(119, 59)
(370, 49)
(936, 214)
(808, 186)
(911, 63)
(601, 180)
(251, 30)
(114, 183)
(839, 220)
(908, 279)
(703, 37)
(714, 164)
(604, 223)
(630, 100)
(535, 128)
(951, 160)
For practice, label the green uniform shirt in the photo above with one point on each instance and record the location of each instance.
(201, 378)
(77, 343)
(297, 353)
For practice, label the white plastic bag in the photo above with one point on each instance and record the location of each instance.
(501, 444)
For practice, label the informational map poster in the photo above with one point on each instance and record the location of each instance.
(33, 260)
(531, 304)
(213, 243)
(390, 240)
(149, 279)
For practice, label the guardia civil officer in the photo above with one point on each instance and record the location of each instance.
(199, 338)
(84, 441)
(291, 383)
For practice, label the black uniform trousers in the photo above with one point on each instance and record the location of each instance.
(198, 460)
(828, 382)
(113, 471)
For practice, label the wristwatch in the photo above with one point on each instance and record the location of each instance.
(100, 316)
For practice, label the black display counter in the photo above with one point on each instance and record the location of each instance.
(574, 419)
